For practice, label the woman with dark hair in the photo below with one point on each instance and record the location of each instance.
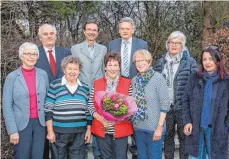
(206, 108)
(112, 138)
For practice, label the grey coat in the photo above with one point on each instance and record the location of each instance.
(16, 109)
(92, 68)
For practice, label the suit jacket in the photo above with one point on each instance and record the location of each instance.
(16, 109)
(92, 68)
(43, 62)
(137, 44)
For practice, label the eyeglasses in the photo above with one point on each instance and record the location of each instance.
(92, 30)
(30, 54)
(140, 61)
(171, 43)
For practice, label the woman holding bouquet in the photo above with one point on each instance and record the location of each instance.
(151, 93)
(111, 137)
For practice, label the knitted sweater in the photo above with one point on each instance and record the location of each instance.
(157, 97)
(68, 111)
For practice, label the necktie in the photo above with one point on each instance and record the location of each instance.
(125, 60)
(52, 63)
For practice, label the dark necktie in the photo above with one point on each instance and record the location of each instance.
(52, 63)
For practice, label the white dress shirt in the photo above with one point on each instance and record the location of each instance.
(47, 53)
(71, 88)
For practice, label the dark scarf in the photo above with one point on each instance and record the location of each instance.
(140, 83)
(208, 93)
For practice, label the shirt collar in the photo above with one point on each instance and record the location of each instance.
(46, 49)
(129, 41)
(92, 46)
(64, 81)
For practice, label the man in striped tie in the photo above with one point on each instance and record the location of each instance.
(127, 45)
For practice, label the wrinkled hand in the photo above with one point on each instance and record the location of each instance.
(14, 138)
(188, 129)
(51, 137)
(158, 133)
(87, 137)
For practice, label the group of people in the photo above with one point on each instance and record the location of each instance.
(49, 102)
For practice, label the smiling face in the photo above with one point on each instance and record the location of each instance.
(208, 62)
(142, 64)
(91, 32)
(71, 72)
(47, 36)
(29, 58)
(174, 46)
(112, 69)
(126, 30)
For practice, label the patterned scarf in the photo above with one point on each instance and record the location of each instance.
(140, 83)
(112, 84)
(169, 71)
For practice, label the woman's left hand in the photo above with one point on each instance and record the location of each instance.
(87, 137)
(158, 133)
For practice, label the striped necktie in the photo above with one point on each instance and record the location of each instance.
(125, 60)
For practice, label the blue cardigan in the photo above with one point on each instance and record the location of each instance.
(191, 111)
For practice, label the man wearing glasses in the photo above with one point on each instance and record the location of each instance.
(91, 55)
(176, 66)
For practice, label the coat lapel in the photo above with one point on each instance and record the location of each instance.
(84, 49)
(38, 78)
(97, 50)
(43, 56)
(133, 48)
(58, 60)
(22, 79)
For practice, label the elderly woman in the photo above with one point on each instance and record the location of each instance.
(176, 66)
(206, 108)
(24, 96)
(150, 91)
(112, 141)
(67, 118)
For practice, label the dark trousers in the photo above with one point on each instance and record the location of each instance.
(69, 146)
(31, 141)
(174, 118)
(46, 148)
(111, 148)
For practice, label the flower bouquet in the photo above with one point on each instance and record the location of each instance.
(114, 106)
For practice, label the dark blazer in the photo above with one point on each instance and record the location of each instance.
(43, 62)
(191, 111)
(137, 44)
(16, 99)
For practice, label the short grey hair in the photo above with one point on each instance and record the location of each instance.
(127, 19)
(145, 53)
(70, 59)
(44, 25)
(27, 45)
(176, 34)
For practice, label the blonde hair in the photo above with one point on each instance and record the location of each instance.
(145, 53)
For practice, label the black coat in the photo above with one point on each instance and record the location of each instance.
(191, 110)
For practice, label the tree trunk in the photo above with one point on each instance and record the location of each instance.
(207, 27)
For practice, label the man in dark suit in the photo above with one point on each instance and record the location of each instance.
(127, 45)
(50, 57)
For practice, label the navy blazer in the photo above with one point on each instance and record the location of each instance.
(43, 62)
(137, 44)
(16, 109)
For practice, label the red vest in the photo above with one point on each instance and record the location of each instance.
(121, 129)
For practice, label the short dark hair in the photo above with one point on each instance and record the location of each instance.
(217, 58)
(90, 22)
(112, 56)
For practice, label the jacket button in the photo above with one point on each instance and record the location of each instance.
(38, 93)
(39, 109)
(38, 101)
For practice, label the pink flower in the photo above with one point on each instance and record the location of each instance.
(126, 103)
(120, 103)
(116, 106)
(113, 97)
